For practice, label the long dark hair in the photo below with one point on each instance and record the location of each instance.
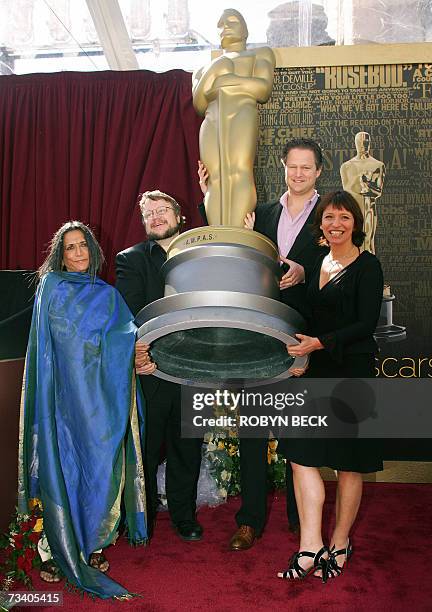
(54, 259)
(340, 199)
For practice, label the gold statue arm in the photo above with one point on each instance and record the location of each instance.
(258, 85)
(344, 174)
(203, 82)
(198, 97)
(206, 82)
(372, 182)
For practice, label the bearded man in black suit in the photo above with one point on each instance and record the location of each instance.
(140, 281)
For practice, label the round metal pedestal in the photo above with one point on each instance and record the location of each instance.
(220, 320)
(211, 337)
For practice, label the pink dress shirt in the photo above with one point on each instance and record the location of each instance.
(289, 228)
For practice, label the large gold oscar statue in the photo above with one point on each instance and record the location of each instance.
(220, 319)
(363, 176)
(226, 92)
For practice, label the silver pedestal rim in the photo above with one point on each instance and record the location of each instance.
(226, 309)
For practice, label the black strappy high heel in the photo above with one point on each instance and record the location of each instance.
(334, 570)
(296, 572)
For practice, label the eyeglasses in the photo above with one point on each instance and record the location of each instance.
(156, 212)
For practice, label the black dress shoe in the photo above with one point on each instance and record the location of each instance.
(190, 531)
(244, 538)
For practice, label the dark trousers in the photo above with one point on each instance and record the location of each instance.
(253, 481)
(163, 428)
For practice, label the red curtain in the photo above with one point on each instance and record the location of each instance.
(84, 146)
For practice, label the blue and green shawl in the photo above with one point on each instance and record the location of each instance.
(80, 424)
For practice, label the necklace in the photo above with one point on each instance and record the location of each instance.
(334, 266)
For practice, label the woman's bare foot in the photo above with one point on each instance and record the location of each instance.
(339, 556)
(99, 561)
(49, 571)
(311, 562)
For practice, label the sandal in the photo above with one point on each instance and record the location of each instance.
(99, 561)
(49, 571)
(296, 572)
(335, 570)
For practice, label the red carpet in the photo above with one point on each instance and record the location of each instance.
(390, 568)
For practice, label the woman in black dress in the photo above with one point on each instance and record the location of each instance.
(345, 294)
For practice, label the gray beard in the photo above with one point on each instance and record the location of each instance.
(169, 233)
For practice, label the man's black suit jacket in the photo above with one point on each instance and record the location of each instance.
(138, 274)
(305, 250)
(140, 282)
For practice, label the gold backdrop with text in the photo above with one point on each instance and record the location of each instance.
(393, 103)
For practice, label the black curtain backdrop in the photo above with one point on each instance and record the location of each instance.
(84, 146)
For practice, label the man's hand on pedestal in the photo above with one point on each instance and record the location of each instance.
(294, 276)
(143, 363)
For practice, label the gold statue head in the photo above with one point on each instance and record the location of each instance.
(232, 28)
(362, 142)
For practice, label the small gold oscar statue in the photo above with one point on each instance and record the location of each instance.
(363, 176)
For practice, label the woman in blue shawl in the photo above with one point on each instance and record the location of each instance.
(80, 424)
